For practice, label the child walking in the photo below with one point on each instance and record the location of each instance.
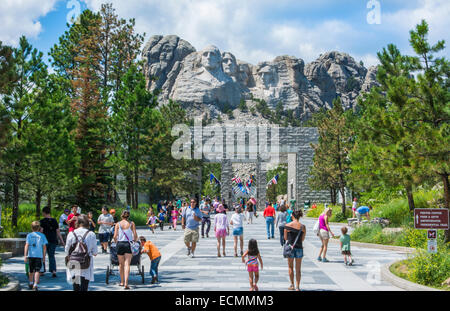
(151, 222)
(252, 263)
(174, 214)
(154, 255)
(345, 246)
(34, 253)
(161, 218)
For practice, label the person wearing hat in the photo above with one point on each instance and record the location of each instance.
(190, 221)
(221, 228)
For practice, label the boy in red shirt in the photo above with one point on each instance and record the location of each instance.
(155, 256)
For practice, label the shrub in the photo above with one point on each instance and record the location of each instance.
(430, 269)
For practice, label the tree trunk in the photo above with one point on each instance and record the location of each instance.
(342, 190)
(409, 194)
(38, 203)
(128, 191)
(136, 188)
(49, 201)
(15, 209)
(447, 201)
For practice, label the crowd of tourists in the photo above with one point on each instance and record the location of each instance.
(120, 235)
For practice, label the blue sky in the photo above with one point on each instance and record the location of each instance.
(253, 30)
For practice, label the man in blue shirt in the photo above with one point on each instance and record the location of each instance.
(190, 221)
(363, 211)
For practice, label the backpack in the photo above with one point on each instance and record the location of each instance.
(78, 257)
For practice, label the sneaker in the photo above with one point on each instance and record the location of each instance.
(54, 275)
(35, 289)
(203, 236)
(273, 237)
(192, 255)
(319, 258)
(346, 263)
(207, 235)
(189, 251)
(325, 260)
(30, 286)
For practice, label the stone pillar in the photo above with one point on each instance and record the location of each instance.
(227, 174)
(292, 177)
(261, 180)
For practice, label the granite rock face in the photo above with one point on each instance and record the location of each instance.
(206, 81)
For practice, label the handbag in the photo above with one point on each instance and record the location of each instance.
(135, 246)
(288, 248)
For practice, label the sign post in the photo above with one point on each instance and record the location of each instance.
(431, 219)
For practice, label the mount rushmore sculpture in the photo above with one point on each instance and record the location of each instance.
(211, 78)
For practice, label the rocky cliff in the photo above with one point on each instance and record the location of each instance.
(207, 81)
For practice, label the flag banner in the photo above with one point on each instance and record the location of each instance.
(273, 181)
(236, 180)
(212, 177)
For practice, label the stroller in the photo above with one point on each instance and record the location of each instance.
(114, 261)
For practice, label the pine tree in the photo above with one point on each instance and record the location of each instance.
(135, 127)
(331, 164)
(30, 71)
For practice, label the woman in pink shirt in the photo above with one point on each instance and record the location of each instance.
(221, 228)
(324, 233)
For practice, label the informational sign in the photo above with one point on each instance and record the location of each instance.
(431, 218)
(432, 234)
(432, 246)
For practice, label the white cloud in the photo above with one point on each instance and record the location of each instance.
(21, 17)
(435, 12)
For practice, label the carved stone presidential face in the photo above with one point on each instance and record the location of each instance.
(229, 64)
(266, 76)
(211, 58)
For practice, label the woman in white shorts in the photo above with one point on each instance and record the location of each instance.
(324, 234)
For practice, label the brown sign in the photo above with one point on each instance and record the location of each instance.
(431, 218)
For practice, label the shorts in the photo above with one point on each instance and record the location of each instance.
(252, 268)
(324, 234)
(123, 247)
(221, 233)
(103, 237)
(346, 253)
(238, 231)
(250, 215)
(190, 235)
(358, 216)
(296, 253)
(34, 264)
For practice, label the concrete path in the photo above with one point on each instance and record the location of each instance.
(208, 272)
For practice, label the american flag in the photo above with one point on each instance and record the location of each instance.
(236, 180)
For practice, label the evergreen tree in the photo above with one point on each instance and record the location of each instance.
(30, 71)
(331, 162)
(135, 126)
(51, 160)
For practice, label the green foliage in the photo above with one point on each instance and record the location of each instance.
(430, 269)
(331, 165)
(336, 216)
(243, 106)
(372, 233)
(280, 188)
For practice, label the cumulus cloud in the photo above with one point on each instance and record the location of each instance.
(435, 12)
(21, 17)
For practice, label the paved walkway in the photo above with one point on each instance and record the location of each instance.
(208, 272)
